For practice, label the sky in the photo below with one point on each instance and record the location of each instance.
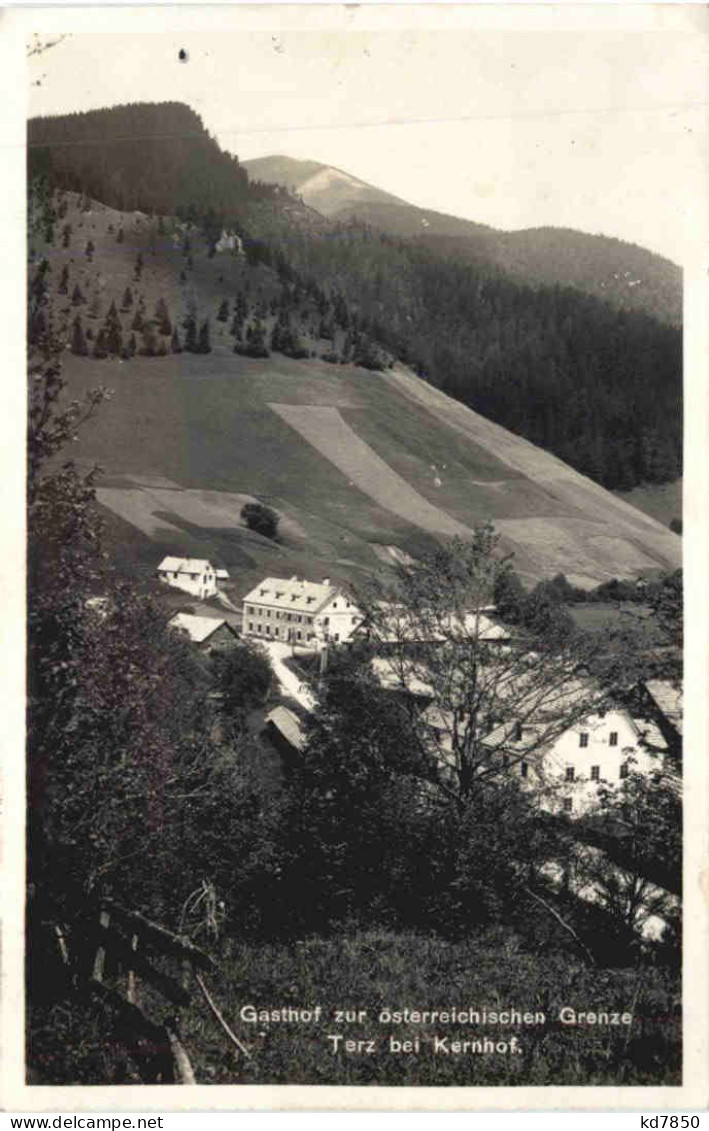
(599, 124)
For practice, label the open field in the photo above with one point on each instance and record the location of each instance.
(661, 501)
(352, 461)
(323, 427)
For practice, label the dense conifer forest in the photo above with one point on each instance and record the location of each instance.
(598, 386)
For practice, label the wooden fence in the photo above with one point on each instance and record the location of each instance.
(112, 963)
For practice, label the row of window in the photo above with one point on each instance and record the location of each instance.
(583, 736)
(291, 634)
(612, 738)
(570, 771)
(297, 618)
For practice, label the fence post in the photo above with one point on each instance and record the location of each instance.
(131, 988)
(99, 960)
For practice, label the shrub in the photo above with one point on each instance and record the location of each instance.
(260, 518)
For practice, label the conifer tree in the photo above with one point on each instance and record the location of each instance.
(149, 342)
(137, 323)
(138, 268)
(190, 326)
(114, 338)
(66, 235)
(90, 249)
(100, 349)
(127, 300)
(132, 345)
(163, 318)
(255, 342)
(78, 341)
(203, 344)
(175, 344)
(223, 313)
(64, 280)
(119, 236)
(241, 306)
(38, 326)
(77, 296)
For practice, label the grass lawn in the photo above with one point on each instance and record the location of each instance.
(375, 974)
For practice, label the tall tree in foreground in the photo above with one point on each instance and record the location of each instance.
(410, 792)
(435, 640)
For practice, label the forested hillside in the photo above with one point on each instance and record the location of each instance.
(156, 157)
(597, 386)
(625, 275)
(600, 388)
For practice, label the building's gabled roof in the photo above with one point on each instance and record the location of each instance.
(294, 593)
(288, 724)
(413, 679)
(197, 628)
(397, 624)
(222, 574)
(184, 565)
(650, 735)
(668, 699)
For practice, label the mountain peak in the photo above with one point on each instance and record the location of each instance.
(325, 188)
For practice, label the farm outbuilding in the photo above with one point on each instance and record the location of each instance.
(208, 633)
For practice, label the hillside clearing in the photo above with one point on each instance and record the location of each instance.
(351, 463)
(324, 428)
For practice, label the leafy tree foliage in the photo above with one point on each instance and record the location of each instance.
(410, 802)
(634, 860)
(260, 518)
(245, 679)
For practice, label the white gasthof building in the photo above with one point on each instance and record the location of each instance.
(311, 613)
(600, 750)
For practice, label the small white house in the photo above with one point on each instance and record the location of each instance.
(191, 575)
(298, 611)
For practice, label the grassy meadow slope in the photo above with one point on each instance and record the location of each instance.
(185, 440)
(361, 466)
